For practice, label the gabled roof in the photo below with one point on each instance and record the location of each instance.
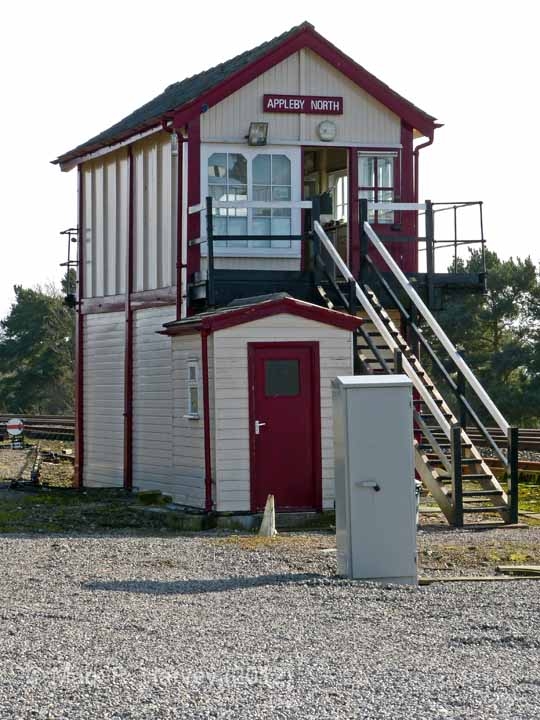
(184, 94)
(255, 308)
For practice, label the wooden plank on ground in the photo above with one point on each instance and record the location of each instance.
(476, 578)
(519, 569)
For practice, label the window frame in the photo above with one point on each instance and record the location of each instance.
(192, 414)
(336, 176)
(294, 156)
(381, 153)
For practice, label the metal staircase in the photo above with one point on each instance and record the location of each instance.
(450, 466)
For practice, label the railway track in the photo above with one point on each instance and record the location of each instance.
(62, 427)
(51, 427)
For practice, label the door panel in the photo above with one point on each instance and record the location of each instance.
(285, 424)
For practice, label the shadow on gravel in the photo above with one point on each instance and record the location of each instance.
(194, 587)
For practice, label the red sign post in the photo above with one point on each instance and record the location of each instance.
(309, 104)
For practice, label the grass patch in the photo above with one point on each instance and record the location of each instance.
(529, 497)
(446, 556)
(289, 541)
(58, 510)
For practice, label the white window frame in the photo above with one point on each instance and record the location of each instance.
(294, 155)
(193, 382)
(336, 177)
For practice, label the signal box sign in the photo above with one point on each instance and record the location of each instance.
(309, 104)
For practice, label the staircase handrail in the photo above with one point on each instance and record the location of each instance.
(382, 329)
(443, 338)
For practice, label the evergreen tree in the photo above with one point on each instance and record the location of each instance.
(37, 353)
(499, 333)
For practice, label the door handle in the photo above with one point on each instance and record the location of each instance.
(258, 426)
(368, 484)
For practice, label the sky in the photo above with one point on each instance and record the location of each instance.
(70, 69)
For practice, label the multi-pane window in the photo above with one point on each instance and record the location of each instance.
(228, 180)
(193, 389)
(264, 177)
(376, 178)
(271, 182)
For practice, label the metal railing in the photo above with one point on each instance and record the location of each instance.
(465, 376)
(382, 328)
(452, 430)
(270, 240)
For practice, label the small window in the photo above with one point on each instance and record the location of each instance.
(376, 179)
(339, 185)
(281, 378)
(193, 389)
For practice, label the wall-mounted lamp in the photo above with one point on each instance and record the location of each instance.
(258, 133)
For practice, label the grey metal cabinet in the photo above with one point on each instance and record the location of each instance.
(374, 476)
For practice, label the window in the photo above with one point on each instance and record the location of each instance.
(249, 174)
(281, 378)
(376, 177)
(339, 184)
(271, 181)
(227, 180)
(193, 389)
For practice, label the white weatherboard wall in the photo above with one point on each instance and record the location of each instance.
(103, 399)
(231, 432)
(105, 199)
(105, 208)
(364, 121)
(187, 433)
(152, 401)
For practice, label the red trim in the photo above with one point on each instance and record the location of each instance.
(416, 154)
(302, 216)
(208, 502)
(179, 249)
(307, 37)
(354, 214)
(128, 343)
(409, 224)
(78, 479)
(289, 306)
(316, 415)
(194, 198)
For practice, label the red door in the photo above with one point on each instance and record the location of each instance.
(285, 425)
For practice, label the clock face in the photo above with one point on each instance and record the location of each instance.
(327, 130)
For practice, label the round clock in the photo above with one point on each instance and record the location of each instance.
(326, 130)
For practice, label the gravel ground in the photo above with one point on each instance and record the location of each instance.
(224, 627)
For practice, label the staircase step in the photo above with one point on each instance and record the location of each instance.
(447, 416)
(486, 509)
(476, 476)
(482, 493)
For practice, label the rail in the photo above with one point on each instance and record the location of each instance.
(431, 243)
(252, 242)
(445, 341)
(61, 427)
(382, 329)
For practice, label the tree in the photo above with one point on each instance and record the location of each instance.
(37, 353)
(499, 333)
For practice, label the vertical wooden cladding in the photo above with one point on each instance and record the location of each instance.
(364, 121)
(154, 236)
(231, 117)
(105, 208)
(104, 201)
